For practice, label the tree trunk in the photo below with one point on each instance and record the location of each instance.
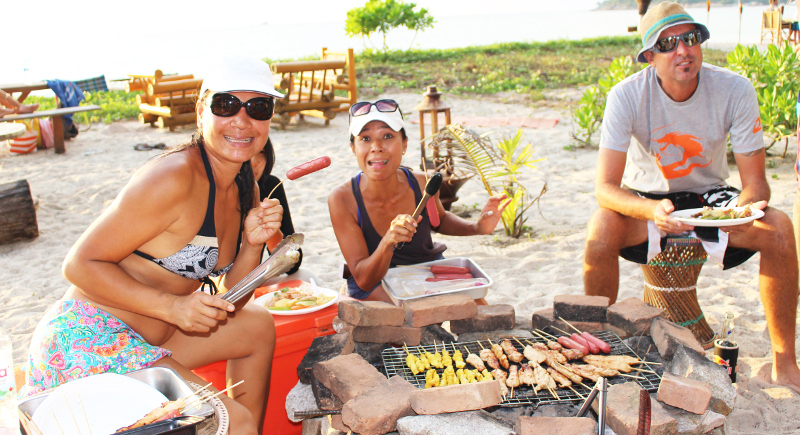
(17, 214)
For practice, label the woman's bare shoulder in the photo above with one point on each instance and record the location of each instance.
(172, 175)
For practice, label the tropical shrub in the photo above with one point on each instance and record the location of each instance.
(384, 15)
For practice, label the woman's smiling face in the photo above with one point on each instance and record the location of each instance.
(379, 149)
(238, 137)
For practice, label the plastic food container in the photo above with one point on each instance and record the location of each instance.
(393, 281)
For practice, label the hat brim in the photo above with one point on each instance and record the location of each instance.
(393, 119)
(651, 41)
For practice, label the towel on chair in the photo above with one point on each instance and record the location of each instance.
(69, 95)
(714, 241)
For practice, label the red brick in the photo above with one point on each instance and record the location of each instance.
(371, 313)
(633, 316)
(556, 425)
(667, 336)
(377, 410)
(456, 398)
(337, 424)
(347, 376)
(489, 318)
(688, 394)
(438, 309)
(380, 334)
(580, 307)
(542, 319)
(582, 326)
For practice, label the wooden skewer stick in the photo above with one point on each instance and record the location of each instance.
(630, 376)
(58, 424)
(479, 344)
(642, 370)
(210, 396)
(520, 343)
(83, 410)
(512, 393)
(576, 392)
(570, 325)
(540, 335)
(560, 330)
(71, 415)
(28, 424)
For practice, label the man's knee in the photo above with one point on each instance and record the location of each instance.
(609, 232)
(779, 237)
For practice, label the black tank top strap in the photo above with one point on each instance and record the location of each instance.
(208, 228)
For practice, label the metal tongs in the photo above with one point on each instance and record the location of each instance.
(283, 258)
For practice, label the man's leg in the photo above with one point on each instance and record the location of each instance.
(773, 237)
(607, 234)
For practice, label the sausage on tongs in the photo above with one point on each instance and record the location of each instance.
(511, 351)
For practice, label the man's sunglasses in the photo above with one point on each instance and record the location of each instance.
(364, 107)
(227, 105)
(670, 43)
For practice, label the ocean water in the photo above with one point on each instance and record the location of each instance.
(182, 37)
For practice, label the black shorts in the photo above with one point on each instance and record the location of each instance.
(725, 196)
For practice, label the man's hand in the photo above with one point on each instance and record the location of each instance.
(741, 229)
(665, 222)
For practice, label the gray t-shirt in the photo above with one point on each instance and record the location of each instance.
(680, 146)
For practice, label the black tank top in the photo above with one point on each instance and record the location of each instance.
(420, 249)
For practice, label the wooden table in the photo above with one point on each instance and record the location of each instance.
(11, 130)
(57, 115)
(24, 89)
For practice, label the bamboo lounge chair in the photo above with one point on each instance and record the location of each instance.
(166, 100)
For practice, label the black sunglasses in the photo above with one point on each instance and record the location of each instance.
(226, 105)
(364, 107)
(670, 43)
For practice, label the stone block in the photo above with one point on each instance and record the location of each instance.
(489, 318)
(376, 411)
(693, 424)
(580, 307)
(327, 425)
(371, 313)
(692, 365)
(633, 316)
(556, 425)
(542, 319)
(456, 398)
(438, 309)
(338, 424)
(326, 400)
(299, 399)
(668, 336)
(495, 336)
(435, 333)
(684, 393)
(470, 422)
(380, 334)
(312, 426)
(347, 376)
(322, 349)
(582, 326)
(622, 411)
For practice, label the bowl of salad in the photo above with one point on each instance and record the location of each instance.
(295, 297)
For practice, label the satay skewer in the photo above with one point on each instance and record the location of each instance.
(28, 424)
(209, 396)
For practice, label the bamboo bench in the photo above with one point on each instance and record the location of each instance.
(166, 100)
(310, 87)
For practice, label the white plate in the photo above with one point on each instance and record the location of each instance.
(110, 401)
(685, 216)
(262, 300)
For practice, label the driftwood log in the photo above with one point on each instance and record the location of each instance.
(17, 214)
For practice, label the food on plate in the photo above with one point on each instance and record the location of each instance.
(170, 409)
(297, 298)
(308, 167)
(710, 213)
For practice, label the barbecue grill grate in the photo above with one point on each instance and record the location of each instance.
(394, 360)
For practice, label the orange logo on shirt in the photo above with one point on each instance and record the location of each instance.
(688, 146)
(757, 127)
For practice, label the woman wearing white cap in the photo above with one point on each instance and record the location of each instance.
(184, 216)
(371, 214)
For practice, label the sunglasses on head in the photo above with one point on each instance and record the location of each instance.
(364, 107)
(670, 43)
(227, 105)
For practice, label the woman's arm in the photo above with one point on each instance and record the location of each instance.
(367, 269)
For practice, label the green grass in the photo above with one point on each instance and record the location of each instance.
(116, 105)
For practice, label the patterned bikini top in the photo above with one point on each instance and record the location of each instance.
(198, 259)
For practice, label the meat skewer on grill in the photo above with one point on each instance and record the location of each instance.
(501, 356)
(531, 353)
(562, 380)
(551, 355)
(544, 381)
(475, 360)
(526, 375)
(513, 377)
(552, 345)
(501, 376)
(511, 351)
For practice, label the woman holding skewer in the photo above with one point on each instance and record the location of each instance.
(372, 213)
(188, 215)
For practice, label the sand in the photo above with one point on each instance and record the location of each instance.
(74, 188)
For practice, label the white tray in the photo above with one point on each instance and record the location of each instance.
(416, 271)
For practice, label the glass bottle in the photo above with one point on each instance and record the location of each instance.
(726, 338)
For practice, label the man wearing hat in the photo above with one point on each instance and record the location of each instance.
(663, 148)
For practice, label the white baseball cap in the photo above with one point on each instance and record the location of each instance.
(240, 74)
(393, 119)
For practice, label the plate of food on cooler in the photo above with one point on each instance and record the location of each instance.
(296, 297)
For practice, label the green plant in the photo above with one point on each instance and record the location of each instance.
(589, 115)
(384, 15)
(775, 74)
(498, 164)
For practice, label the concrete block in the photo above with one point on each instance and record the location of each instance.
(580, 307)
(376, 411)
(347, 376)
(371, 313)
(633, 316)
(622, 411)
(438, 309)
(456, 398)
(380, 334)
(322, 349)
(668, 336)
(556, 425)
(542, 318)
(684, 393)
(693, 424)
(489, 318)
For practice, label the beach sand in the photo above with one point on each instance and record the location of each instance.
(74, 188)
